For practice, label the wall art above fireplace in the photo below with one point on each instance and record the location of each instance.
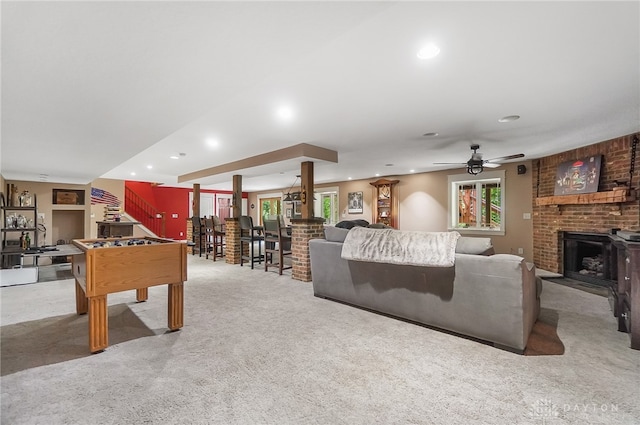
(579, 176)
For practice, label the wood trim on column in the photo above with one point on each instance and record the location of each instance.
(306, 174)
(196, 201)
(236, 207)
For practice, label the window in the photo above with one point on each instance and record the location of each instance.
(326, 205)
(269, 207)
(477, 204)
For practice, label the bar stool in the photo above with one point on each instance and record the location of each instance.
(277, 245)
(208, 237)
(249, 235)
(197, 236)
(219, 235)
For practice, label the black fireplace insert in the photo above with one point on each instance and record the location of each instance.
(587, 257)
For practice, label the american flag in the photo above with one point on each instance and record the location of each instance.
(100, 196)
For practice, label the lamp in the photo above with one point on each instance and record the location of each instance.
(295, 196)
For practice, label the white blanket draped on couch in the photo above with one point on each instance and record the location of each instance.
(435, 249)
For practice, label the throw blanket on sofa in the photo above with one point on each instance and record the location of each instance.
(435, 249)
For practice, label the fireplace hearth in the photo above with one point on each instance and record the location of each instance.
(587, 257)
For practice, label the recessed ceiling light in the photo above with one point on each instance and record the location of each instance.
(412, 171)
(430, 134)
(285, 113)
(429, 51)
(348, 178)
(509, 118)
(149, 167)
(174, 157)
(133, 173)
(377, 174)
(213, 143)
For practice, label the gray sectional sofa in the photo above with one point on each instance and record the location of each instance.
(494, 298)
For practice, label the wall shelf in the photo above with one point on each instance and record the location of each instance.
(610, 197)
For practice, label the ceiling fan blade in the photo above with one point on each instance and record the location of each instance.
(449, 163)
(505, 158)
(491, 165)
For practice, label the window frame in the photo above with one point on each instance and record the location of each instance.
(333, 193)
(455, 180)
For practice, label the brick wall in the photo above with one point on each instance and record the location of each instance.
(551, 220)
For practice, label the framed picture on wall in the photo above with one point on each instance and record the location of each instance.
(68, 197)
(355, 202)
(579, 176)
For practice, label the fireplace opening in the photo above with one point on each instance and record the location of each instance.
(587, 257)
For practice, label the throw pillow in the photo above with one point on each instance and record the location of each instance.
(478, 246)
(350, 224)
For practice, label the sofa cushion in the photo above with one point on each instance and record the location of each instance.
(335, 234)
(471, 245)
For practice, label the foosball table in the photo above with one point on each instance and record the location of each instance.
(111, 265)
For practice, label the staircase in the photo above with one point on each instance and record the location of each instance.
(142, 211)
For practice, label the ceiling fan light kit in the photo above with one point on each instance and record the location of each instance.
(474, 167)
(476, 164)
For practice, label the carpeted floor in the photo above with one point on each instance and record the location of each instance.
(258, 348)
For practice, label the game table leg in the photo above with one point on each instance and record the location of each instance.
(98, 324)
(175, 314)
(142, 294)
(82, 304)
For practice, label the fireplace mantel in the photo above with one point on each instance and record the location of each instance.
(611, 197)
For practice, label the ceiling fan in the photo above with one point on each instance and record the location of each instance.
(475, 165)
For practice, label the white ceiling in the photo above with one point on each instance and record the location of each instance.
(103, 89)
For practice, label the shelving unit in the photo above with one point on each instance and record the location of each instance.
(385, 208)
(111, 212)
(15, 221)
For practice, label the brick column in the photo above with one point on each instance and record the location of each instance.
(302, 231)
(232, 241)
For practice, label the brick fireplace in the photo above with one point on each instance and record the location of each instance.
(550, 222)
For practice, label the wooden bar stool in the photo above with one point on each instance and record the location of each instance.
(277, 245)
(218, 237)
(250, 235)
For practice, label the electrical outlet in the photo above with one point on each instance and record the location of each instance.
(520, 251)
(526, 216)
(41, 216)
(181, 233)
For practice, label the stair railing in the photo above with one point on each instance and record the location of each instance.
(150, 217)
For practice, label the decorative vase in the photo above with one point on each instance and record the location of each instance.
(15, 198)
